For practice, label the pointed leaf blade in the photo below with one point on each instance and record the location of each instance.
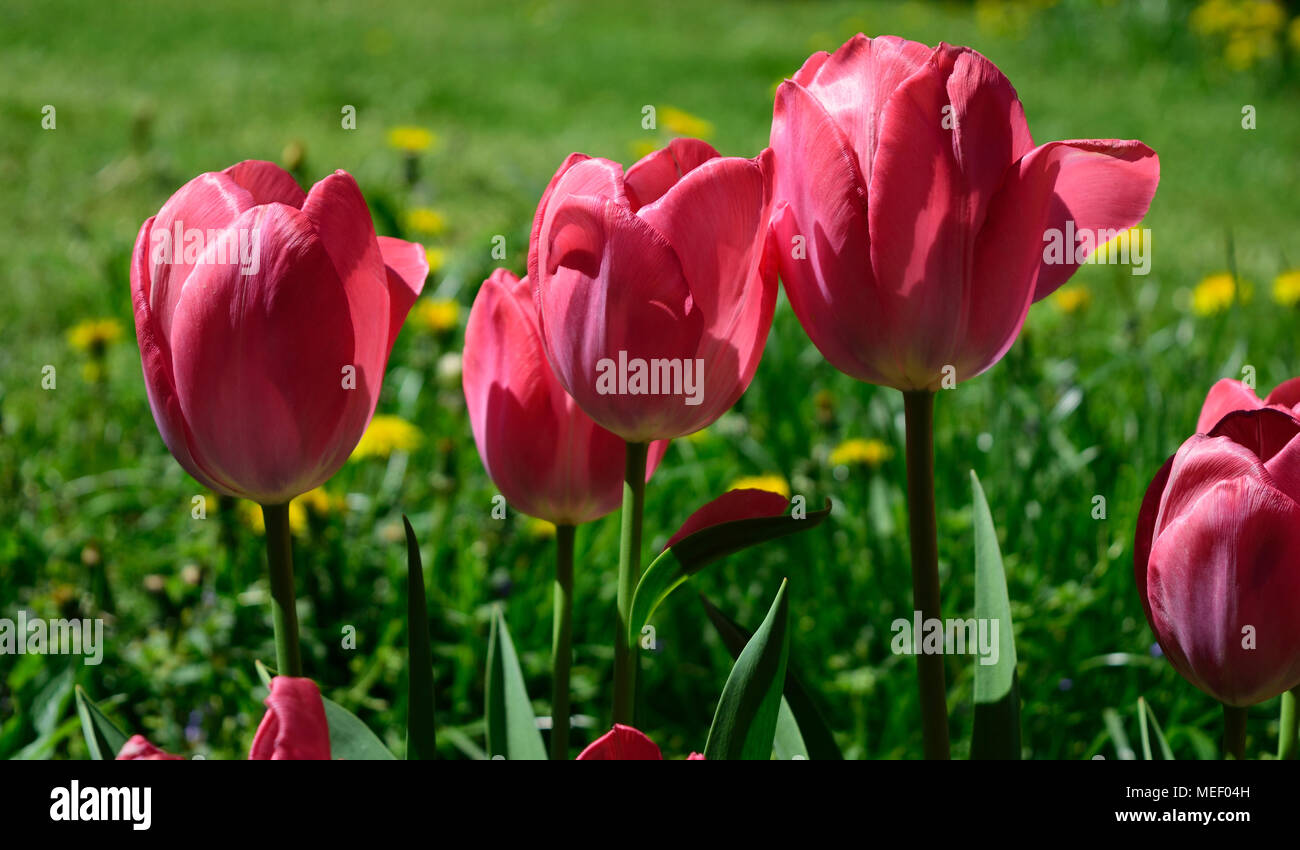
(421, 735)
(512, 730)
(996, 729)
(103, 738)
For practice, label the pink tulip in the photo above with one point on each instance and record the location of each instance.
(265, 317)
(653, 288)
(1228, 396)
(732, 506)
(294, 725)
(1217, 557)
(547, 457)
(911, 208)
(138, 748)
(624, 743)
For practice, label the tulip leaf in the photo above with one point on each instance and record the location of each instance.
(103, 738)
(512, 732)
(815, 736)
(996, 727)
(350, 738)
(1145, 713)
(421, 740)
(696, 551)
(744, 726)
(1115, 726)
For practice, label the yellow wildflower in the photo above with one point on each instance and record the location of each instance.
(539, 529)
(410, 139)
(436, 258)
(771, 482)
(1072, 299)
(437, 315)
(679, 122)
(859, 451)
(250, 513)
(426, 220)
(642, 148)
(1214, 294)
(1286, 288)
(1293, 33)
(94, 335)
(387, 434)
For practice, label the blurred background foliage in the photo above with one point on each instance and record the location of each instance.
(463, 110)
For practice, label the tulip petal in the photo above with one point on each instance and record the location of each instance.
(614, 291)
(267, 183)
(1144, 537)
(1103, 185)
(259, 364)
(294, 726)
(819, 236)
(407, 268)
(747, 503)
(715, 219)
(182, 232)
(1285, 394)
(622, 743)
(654, 174)
(854, 83)
(138, 748)
(1225, 397)
(1215, 579)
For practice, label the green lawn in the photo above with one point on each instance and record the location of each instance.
(95, 516)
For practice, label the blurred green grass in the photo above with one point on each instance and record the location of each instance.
(95, 516)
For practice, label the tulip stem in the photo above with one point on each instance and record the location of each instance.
(284, 611)
(918, 408)
(629, 572)
(1234, 732)
(562, 642)
(1289, 725)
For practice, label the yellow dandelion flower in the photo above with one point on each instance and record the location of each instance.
(250, 514)
(1127, 247)
(771, 482)
(1293, 33)
(1286, 288)
(642, 148)
(679, 122)
(320, 502)
(426, 220)
(410, 139)
(436, 258)
(387, 434)
(870, 453)
(1072, 299)
(539, 529)
(436, 315)
(1214, 294)
(94, 335)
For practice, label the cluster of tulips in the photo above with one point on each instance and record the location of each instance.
(903, 204)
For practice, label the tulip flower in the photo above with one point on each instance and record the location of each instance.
(138, 748)
(914, 222)
(265, 316)
(1228, 396)
(547, 457)
(1217, 559)
(624, 743)
(294, 726)
(655, 294)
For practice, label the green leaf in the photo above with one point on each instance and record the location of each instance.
(788, 743)
(350, 738)
(996, 726)
(1116, 729)
(103, 738)
(421, 739)
(819, 742)
(696, 551)
(511, 725)
(744, 725)
(1145, 713)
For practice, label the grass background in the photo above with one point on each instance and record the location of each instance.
(95, 516)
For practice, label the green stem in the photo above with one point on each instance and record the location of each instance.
(918, 407)
(1234, 732)
(562, 642)
(1289, 725)
(629, 572)
(284, 612)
